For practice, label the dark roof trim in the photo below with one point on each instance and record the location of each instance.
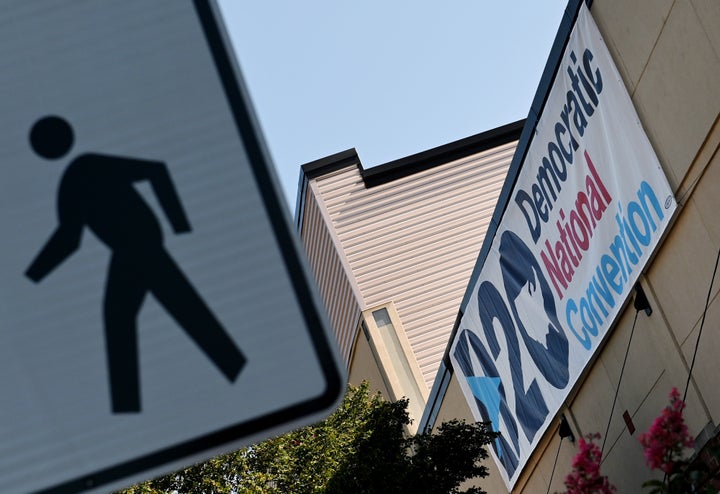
(316, 168)
(440, 155)
(331, 163)
(402, 167)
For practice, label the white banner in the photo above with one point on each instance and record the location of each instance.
(589, 207)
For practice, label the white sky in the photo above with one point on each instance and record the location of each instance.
(389, 78)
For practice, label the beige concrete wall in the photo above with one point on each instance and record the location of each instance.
(668, 53)
(364, 367)
(681, 276)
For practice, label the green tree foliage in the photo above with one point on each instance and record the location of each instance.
(361, 447)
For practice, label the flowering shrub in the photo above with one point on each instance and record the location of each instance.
(665, 443)
(667, 437)
(585, 476)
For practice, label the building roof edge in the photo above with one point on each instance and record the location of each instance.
(440, 155)
(317, 168)
(406, 166)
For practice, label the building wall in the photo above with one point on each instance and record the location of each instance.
(414, 240)
(400, 241)
(668, 53)
(669, 56)
(382, 356)
(366, 367)
(334, 282)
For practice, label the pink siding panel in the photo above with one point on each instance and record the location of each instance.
(332, 280)
(415, 240)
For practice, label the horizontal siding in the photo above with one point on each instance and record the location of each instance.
(333, 284)
(415, 240)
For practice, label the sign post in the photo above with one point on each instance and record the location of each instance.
(156, 308)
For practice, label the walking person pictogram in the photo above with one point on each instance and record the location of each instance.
(97, 191)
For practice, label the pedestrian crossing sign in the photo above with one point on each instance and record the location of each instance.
(157, 309)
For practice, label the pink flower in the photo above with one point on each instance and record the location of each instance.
(585, 477)
(667, 437)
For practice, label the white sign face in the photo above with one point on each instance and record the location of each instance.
(155, 308)
(589, 207)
